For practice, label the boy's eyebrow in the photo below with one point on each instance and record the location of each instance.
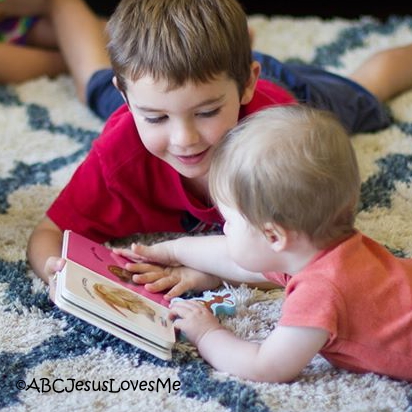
(204, 103)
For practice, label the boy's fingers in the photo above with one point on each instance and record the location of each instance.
(143, 267)
(53, 265)
(52, 287)
(160, 284)
(147, 277)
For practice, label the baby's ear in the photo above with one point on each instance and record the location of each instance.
(276, 235)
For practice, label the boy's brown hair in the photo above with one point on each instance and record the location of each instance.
(293, 165)
(179, 41)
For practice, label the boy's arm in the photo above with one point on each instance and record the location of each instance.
(45, 248)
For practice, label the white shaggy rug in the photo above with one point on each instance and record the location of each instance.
(50, 361)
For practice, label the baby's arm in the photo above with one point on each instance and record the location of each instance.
(188, 263)
(280, 358)
(45, 248)
(207, 254)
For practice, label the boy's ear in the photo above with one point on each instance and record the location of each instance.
(251, 83)
(276, 235)
(114, 81)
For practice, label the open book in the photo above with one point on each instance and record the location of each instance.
(95, 286)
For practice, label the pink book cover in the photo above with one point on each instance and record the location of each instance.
(105, 262)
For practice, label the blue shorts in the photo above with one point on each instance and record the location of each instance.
(101, 95)
(357, 109)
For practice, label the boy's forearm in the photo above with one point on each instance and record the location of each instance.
(44, 242)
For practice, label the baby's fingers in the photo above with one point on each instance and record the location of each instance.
(184, 307)
(176, 291)
(128, 254)
(155, 253)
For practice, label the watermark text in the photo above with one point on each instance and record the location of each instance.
(45, 385)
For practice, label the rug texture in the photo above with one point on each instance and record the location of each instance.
(51, 361)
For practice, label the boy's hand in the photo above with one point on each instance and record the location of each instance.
(157, 268)
(176, 279)
(193, 319)
(53, 264)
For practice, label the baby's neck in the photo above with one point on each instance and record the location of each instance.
(304, 250)
(300, 254)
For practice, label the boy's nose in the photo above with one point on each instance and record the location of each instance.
(185, 136)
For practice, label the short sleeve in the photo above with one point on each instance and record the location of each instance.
(314, 302)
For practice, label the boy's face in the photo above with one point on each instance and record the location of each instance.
(247, 245)
(183, 126)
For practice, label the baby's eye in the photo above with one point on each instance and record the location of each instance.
(210, 113)
(155, 120)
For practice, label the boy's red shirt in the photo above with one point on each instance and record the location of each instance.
(121, 189)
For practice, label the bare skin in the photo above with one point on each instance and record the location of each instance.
(385, 75)
(88, 56)
(40, 55)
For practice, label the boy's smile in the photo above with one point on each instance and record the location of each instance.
(182, 126)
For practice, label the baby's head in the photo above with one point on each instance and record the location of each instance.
(292, 165)
(179, 41)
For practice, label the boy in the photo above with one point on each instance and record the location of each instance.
(347, 297)
(185, 71)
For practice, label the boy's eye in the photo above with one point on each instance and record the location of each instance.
(155, 120)
(210, 113)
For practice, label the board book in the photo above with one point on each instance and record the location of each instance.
(95, 286)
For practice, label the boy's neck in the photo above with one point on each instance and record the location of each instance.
(198, 188)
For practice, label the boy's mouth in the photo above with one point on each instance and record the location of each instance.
(193, 159)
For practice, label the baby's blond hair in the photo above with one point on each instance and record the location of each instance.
(179, 41)
(293, 165)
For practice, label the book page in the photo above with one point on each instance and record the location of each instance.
(118, 304)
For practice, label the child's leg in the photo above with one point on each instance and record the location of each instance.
(386, 73)
(81, 39)
(23, 63)
(42, 35)
(22, 7)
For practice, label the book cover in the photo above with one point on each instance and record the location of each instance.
(95, 286)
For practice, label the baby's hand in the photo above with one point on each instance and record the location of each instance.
(129, 254)
(193, 319)
(53, 264)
